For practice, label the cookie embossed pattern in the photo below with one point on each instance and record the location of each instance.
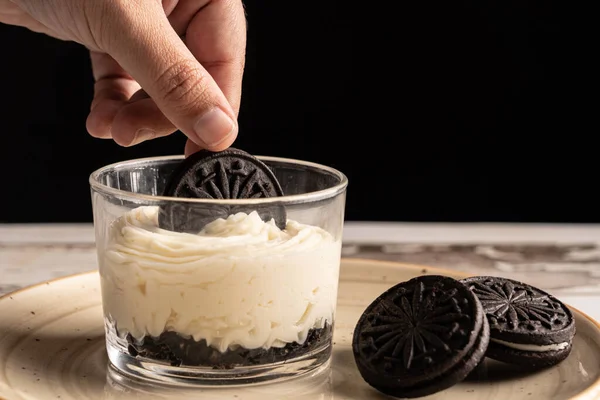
(528, 325)
(229, 174)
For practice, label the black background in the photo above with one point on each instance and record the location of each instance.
(436, 111)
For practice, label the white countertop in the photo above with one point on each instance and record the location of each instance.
(359, 231)
(563, 259)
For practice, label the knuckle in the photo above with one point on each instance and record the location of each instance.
(183, 84)
(241, 65)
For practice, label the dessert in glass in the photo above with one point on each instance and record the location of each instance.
(221, 286)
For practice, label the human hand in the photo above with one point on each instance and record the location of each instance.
(149, 81)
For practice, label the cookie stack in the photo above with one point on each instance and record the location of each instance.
(429, 333)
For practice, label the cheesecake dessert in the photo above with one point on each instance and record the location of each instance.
(241, 291)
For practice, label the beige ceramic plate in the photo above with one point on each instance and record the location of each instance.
(52, 347)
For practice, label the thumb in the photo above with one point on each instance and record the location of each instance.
(147, 47)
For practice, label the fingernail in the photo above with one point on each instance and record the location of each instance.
(214, 127)
(142, 135)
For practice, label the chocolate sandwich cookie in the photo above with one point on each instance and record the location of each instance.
(228, 174)
(420, 337)
(528, 326)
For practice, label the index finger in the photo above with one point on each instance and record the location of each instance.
(215, 33)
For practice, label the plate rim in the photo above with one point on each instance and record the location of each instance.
(589, 393)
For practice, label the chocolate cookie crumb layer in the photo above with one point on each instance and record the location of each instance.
(179, 351)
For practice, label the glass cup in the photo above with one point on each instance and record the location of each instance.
(249, 298)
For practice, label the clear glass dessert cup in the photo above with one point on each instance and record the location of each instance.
(245, 300)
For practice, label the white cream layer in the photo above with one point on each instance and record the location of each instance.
(533, 347)
(239, 282)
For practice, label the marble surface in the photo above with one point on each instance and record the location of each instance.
(563, 259)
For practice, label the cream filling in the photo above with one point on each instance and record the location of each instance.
(533, 347)
(239, 282)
